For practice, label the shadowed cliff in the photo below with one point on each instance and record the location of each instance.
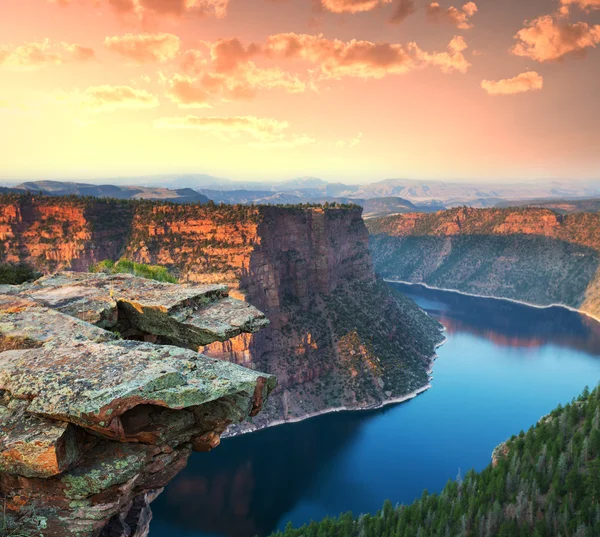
(338, 337)
(531, 254)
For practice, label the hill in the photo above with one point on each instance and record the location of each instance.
(61, 188)
(588, 205)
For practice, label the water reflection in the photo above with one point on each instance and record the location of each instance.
(507, 323)
(503, 366)
(241, 490)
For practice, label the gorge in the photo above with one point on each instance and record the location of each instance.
(502, 368)
(338, 337)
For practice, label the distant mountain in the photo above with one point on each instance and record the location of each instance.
(377, 207)
(302, 183)
(431, 195)
(452, 194)
(63, 188)
(590, 205)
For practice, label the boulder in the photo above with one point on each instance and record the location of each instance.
(93, 426)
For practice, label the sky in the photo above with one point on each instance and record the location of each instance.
(346, 90)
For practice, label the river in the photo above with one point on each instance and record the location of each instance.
(503, 366)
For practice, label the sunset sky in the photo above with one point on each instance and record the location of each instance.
(346, 90)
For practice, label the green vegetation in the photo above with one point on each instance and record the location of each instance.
(17, 273)
(124, 266)
(543, 483)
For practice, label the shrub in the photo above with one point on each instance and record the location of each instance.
(17, 273)
(125, 266)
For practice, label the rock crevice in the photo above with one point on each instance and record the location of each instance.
(93, 425)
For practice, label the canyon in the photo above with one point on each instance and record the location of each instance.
(531, 254)
(338, 337)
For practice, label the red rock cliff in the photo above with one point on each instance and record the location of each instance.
(308, 269)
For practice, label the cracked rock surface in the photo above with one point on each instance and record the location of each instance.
(93, 426)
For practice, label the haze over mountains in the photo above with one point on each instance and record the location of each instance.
(379, 198)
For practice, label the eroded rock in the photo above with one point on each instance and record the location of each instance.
(91, 425)
(186, 315)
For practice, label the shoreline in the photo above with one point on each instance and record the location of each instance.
(513, 300)
(393, 401)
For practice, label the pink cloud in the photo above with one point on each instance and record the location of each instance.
(259, 128)
(142, 8)
(364, 59)
(106, 97)
(199, 91)
(529, 81)
(352, 6)
(144, 48)
(38, 54)
(545, 39)
(585, 5)
(458, 17)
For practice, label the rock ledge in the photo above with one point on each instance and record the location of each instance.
(93, 426)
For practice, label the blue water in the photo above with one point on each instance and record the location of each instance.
(502, 367)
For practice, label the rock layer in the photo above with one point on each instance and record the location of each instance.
(91, 425)
(531, 254)
(338, 337)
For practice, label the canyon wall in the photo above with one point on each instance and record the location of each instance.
(338, 338)
(533, 255)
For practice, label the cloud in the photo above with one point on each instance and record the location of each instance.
(193, 62)
(106, 97)
(228, 54)
(228, 74)
(143, 8)
(145, 48)
(350, 143)
(352, 6)
(364, 59)
(183, 91)
(242, 84)
(448, 62)
(458, 17)
(403, 10)
(37, 54)
(259, 128)
(259, 132)
(585, 5)
(545, 39)
(529, 81)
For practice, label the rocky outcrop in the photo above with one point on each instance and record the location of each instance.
(338, 337)
(92, 426)
(533, 255)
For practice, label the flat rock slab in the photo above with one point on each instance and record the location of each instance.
(187, 315)
(91, 423)
(91, 384)
(24, 323)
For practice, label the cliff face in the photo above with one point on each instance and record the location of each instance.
(71, 234)
(530, 254)
(92, 426)
(338, 336)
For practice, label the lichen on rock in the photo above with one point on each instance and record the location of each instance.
(92, 426)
